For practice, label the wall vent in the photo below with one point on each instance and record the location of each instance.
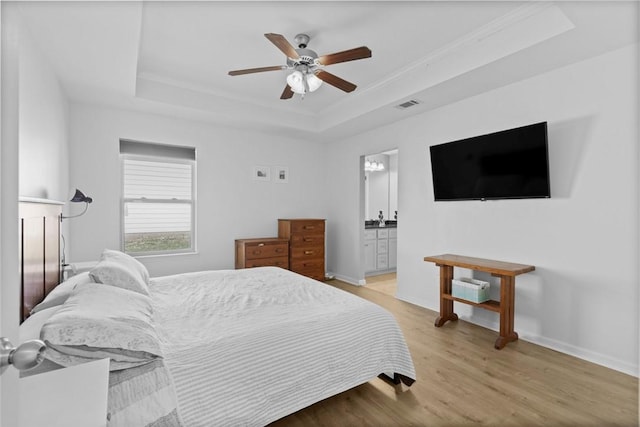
(408, 104)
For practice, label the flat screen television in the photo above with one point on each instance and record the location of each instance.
(510, 164)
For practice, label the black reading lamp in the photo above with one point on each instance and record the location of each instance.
(77, 198)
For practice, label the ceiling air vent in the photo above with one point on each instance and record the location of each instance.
(408, 104)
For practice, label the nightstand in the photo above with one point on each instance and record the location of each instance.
(66, 397)
(74, 268)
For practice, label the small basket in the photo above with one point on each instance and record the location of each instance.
(470, 289)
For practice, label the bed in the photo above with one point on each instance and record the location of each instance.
(228, 347)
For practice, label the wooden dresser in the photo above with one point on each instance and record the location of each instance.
(268, 251)
(306, 245)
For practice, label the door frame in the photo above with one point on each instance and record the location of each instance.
(9, 187)
(362, 210)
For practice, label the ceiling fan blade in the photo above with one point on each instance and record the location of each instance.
(286, 93)
(256, 70)
(346, 55)
(336, 81)
(282, 44)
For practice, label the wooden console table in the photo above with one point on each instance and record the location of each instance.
(506, 271)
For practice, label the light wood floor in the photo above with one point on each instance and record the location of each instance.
(463, 381)
(385, 283)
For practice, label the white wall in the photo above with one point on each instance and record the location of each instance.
(583, 297)
(44, 132)
(230, 204)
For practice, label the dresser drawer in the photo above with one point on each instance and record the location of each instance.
(262, 252)
(309, 226)
(282, 262)
(313, 268)
(298, 264)
(306, 240)
(307, 252)
(313, 273)
(266, 250)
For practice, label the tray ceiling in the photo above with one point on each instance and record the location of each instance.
(173, 57)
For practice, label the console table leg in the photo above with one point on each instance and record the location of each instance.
(446, 305)
(507, 302)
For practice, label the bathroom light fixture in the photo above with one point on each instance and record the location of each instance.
(373, 166)
(79, 197)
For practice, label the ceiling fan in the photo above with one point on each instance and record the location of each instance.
(307, 66)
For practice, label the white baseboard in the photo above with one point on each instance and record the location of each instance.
(581, 353)
(562, 347)
(349, 280)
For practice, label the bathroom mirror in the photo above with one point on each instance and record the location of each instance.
(381, 185)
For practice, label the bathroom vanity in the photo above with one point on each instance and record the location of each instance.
(380, 247)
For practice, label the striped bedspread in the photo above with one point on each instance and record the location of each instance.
(247, 347)
(142, 396)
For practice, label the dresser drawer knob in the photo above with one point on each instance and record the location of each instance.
(308, 252)
(309, 227)
(260, 244)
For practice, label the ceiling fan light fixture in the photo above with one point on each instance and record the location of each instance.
(296, 81)
(313, 82)
(307, 75)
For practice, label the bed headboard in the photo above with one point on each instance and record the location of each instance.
(39, 251)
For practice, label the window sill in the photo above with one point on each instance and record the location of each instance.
(147, 256)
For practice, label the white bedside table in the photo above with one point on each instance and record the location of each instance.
(67, 397)
(74, 268)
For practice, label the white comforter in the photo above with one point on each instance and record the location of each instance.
(247, 347)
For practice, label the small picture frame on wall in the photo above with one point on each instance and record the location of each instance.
(261, 173)
(282, 174)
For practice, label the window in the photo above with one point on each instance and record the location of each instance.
(158, 198)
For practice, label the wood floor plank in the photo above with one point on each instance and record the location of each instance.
(464, 381)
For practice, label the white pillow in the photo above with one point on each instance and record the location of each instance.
(30, 328)
(100, 321)
(60, 293)
(127, 261)
(116, 274)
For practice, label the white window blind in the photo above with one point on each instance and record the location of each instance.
(158, 198)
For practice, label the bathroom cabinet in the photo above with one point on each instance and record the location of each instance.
(380, 250)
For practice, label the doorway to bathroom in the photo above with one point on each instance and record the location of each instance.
(379, 219)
